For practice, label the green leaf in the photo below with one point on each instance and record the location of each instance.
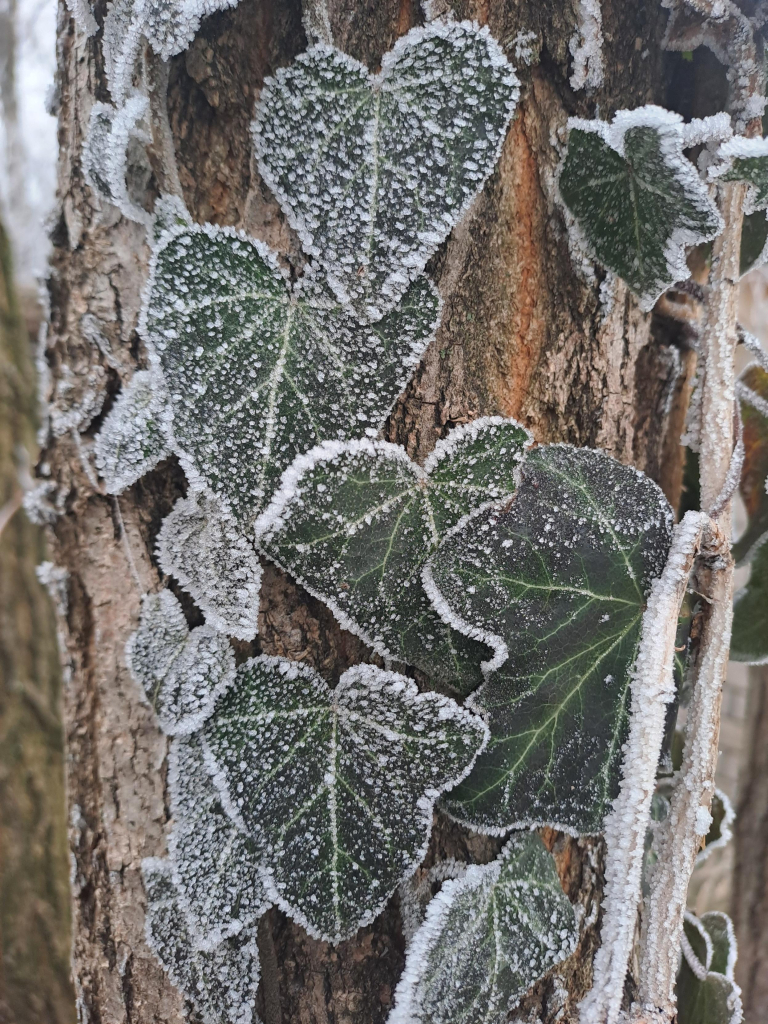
(636, 198)
(706, 990)
(355, 523)
(754, 472)
(487, 938)
(556, 583)
(337, 786)
(749, 635)
(221, 983)
(719, 927)
(754, 241)
(373, 172)
(745, 160)
(720, 833)
(258, 373)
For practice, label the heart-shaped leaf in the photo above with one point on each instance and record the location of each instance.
(201, 546)
(742, 159)
(181, 672)
(258, 373)
(636, 198)
(556, 583)
(134, 435)
(487, 938)
(215, 867)
(355, 523)
(706, 990)
(373, 172)
(221, 983)
(337, 786)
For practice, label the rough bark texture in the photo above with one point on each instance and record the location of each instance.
(523, 333)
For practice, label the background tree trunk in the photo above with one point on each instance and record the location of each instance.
(525, 332)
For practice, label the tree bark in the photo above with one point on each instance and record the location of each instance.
(524, 333)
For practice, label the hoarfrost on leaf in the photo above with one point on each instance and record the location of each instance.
(720, 833)
(749, 636)
(336, 787)
(355, 523)
(706, 989)
(487, 938)
(557, 585)
(220, 984)
(203, 548)
(374, 172)
(258, 373)
(752, 389)
(636, 198)
(105, 152)
(181, 672)
(742, 159)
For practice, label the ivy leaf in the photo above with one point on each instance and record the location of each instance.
(337, 786)
(373, 172)
(105, 152)
(754, 241)
(355, 523)
(133, 437)
(181, 672)
(706, 990)
(749, 636)
(746, 160)
(556, 583)
(258, 374)
(636, 198)
(215, 867)
(720, 833)
(487, 938)
(754, 472)
(201, 546)
(221, 984)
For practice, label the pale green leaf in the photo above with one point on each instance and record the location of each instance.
(745, 160)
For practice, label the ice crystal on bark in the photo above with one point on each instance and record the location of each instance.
(110, 131)
(258, 373)
(486, 939)
(745, 160)
(181, 672)
(636, 198)
(220, 984)
(134, 435)
(374, 171)
(586, 46)
(203, 548)
(336, 787)
(706, 989)
(573, 557)
(354, 523)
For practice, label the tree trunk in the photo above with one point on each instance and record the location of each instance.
(525, 332)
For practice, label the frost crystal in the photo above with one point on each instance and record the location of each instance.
(336, 787)
(355, 523)
(201, 546)
(486, 939)
(706, 989)
(573, 557)
(133, 437)
(105, 152)
(586, 46)
(182, 672)
(257, 373)
(374, 172)
(637, 199)
(720, 833)
(220, 984)
(746, 160)
(215, 867)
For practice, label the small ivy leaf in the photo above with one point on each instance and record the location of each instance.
(337, 786)
(556, 583)
(754, 472)
(636, 198)
(105, 152)
(258, 374)
(706, 990)
(220, 984)
(487, 938)
(746, 160)
(720, 833)
(201, 546)
(719, 927)
(215, 867)
(134, 435)
(749, 636)
(754, 241)
(374, 172)
(355, 523)
(181, 672)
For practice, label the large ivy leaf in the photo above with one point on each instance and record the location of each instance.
(355, 523)
(258, 373)
(221, 983)
(486, 939)
(636, 198)
(215, 867)
(556, 583)
(746, 160)
(706, 990)
(337, 786)
(754, 472)
(374, 172)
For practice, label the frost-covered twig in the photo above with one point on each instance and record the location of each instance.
(752, 344)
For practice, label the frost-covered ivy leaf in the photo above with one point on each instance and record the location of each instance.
(636, 198)
(258, 374)
(202, 547)
(221, 984)
(134, 435)
(215, 866)
(354, 524)
(706, 990)
(487, 938)
(556, 583)
(749, 636)
(337, 786)
(720, 833)
(754, 472)
(181, 672)
(169, 214)
(746, 160)
(105, 152)
(754, 241)
(373, 172)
